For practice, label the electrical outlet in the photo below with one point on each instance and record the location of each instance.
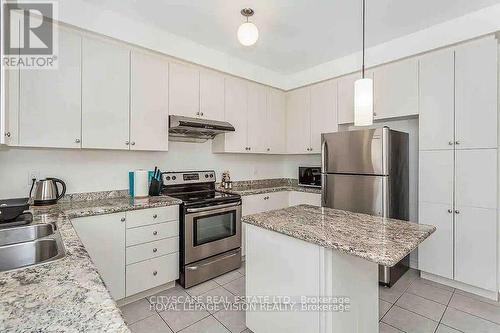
(33, 174)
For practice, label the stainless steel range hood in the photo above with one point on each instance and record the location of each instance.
(195, 129)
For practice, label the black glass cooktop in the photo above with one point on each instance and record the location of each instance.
(201, 197)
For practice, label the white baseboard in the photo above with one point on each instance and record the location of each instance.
(144, 294)
(493, 295)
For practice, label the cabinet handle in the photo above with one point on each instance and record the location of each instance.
(268, 149)
(77, 140)
(198, 113)
(374, 114)
(450, 143)
(155, 233)
(457, 211)
(127, 143)
(201, 114)
(457, 142)
(311, 149)
(155, 216)
(450, 211)
(154, 250)
(133, 143)
(7, 134)
(155, 272)
(122, 219)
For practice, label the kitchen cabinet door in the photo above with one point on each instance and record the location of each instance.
(436, 177)
(104, 239)
(276, 122)
(257, 118)
(211, 95)
(11, 107)
(396, 89)
(435, 254)
(235, 106)
(298, 121)
(436, 98)
(345, 89)
(184, 90)
(50, 100)
(304, 198)
(476, 247)
(476, 92)
(323, 112)
(148, 102)
(476, 178)
(105, 94)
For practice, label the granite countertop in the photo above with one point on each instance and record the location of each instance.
(67, 294)
(252, 187)
(380, 240)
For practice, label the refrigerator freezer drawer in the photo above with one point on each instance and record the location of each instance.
(355, 193)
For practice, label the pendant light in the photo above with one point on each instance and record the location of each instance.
(363, 92)
(248, 32)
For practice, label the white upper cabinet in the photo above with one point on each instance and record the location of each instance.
(211, 95)
(235, 106)
(323, 112)
(257, 136)
(436, 117)
(476, 92)
(184, 90)
(105, 94)
(148, 102)
(12, 107)
(298, 121)
(50, 99)
(345, 89)
(276, 121)
(396, 89)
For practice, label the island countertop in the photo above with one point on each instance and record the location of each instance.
(380, 240)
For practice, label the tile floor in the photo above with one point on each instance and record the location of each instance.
(411, 305)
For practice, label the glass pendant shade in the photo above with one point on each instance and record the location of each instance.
(363, 102)
(248, 34)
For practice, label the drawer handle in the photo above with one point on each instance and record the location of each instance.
(155, 250)
(155, 233)
(155, 272)
(155, 216)
(122, 219)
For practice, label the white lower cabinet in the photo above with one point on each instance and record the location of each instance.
(258, 203)
(152, 273)
(131, 252)
(104, 239)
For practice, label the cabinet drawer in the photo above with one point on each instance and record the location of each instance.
(151, 233)
(151, 250)
(137, 218)
(151, 273)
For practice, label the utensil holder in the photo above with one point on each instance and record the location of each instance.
(154, 187)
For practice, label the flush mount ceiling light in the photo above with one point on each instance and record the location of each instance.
(363, 92)
(248, 32)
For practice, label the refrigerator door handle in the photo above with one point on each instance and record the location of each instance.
(323, 190)
(324, 156)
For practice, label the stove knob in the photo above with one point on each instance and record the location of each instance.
(206, 175)
(211, 175)
(167, 178)
(174, 178)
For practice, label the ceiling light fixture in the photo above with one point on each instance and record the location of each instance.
(363, 92)
(248, 32)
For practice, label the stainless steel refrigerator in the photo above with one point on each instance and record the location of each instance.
(366, 171)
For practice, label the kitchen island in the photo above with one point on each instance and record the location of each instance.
(315, 269)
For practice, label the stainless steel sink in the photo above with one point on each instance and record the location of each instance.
(29, 245)
(25, 233)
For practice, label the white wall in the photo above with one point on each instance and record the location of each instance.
(102, 170)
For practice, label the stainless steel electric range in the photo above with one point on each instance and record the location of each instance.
(210, 226)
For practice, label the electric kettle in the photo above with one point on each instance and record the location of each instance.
(46, 191)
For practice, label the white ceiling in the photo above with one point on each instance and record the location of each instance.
(294, 34)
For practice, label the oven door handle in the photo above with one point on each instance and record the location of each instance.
(204, 209)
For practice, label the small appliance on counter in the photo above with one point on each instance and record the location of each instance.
(46, 191)
(310, 176)
(138, 183)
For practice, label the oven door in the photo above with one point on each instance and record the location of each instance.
(211, 230)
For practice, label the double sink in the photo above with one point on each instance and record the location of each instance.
(29, 245)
